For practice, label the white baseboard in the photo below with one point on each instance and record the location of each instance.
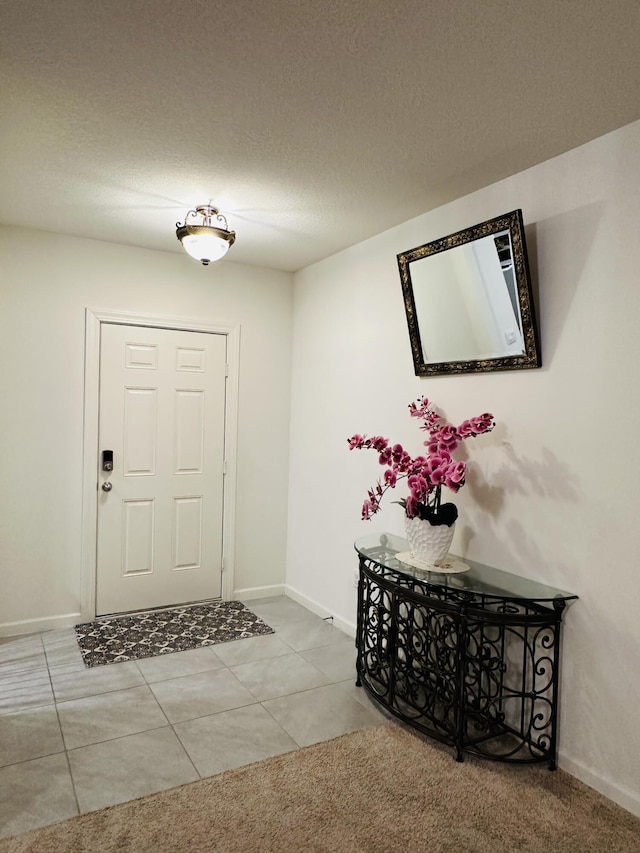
(348, 627)
(252, 592)
(629, 800)
(36, 626)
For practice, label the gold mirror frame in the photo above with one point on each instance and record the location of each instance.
(530, 358)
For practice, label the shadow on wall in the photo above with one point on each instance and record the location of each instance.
(558, 250)
(546, 477)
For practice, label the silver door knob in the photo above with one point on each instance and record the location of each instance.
(106, 487)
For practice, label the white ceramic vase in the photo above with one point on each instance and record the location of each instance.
(428, 542)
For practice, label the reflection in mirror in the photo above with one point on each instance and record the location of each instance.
(468, 300)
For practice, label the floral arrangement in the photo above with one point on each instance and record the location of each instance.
(425, 474)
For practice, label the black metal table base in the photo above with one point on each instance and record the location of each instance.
(476, 672)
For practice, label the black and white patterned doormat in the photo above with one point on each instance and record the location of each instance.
(160, 632)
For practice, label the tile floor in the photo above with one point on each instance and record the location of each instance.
(74, 739)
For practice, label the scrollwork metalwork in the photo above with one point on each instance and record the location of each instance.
(477, 672)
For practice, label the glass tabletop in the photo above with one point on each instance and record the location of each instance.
(382, 548)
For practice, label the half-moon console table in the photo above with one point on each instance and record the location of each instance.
(470, 659)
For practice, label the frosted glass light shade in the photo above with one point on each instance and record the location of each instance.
(206, 244)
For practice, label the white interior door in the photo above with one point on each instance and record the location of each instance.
(162, 400)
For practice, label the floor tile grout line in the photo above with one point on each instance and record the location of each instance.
(73, 781)
(175, 733)
(292, 692)
(58, 700)
(64, 742)
(229, 668)
(329, 681)
(117, 737)
(257, 700)
(288, 734)
(186, 751)
(34, 758)
(101, 693)
(155, 698)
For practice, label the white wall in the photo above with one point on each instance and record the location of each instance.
(553, 493)
(46, 282)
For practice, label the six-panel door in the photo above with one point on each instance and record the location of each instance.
(162, 398)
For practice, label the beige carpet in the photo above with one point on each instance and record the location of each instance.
(382, 789)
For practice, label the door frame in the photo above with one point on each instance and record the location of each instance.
(94, 319)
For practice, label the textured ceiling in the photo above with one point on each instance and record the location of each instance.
(312, 125)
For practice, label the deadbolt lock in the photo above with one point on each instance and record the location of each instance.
(107, 460)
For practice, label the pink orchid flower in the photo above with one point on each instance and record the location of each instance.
(425, 474)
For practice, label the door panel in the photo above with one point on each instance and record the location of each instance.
(187, 532)
(138, 527)
(162, 396)
(189, 434)
(140, 424)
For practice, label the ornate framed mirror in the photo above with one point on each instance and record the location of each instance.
(469, 301)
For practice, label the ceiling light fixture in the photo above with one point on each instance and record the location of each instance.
(203, 241)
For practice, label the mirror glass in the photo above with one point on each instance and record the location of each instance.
(468, 300)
